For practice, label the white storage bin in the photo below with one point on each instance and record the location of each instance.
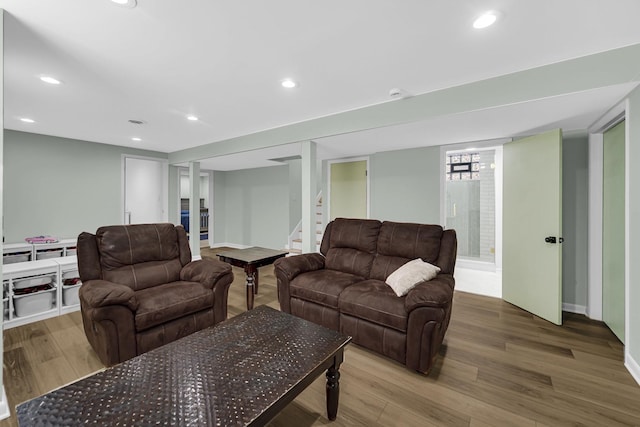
(37, 302)
(29, 282)
(13, 258)
(49, 253)
(71, 274)
(70, 294)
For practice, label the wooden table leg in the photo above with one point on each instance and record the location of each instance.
(255, 281)
(250, 291)
(333, 386)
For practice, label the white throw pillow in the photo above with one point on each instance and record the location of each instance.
(410, 274)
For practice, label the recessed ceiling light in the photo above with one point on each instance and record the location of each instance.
(486, 19)
(126, 3)
(50, 80)
(288, 83)
(27, 120)
(192, 118)
(135, 138)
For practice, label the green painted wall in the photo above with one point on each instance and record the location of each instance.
(575, 195)
(256, 206)
(405, 185)
(633, 233)
(61, 186)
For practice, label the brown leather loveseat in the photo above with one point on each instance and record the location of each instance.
(344, 288)
(140, 289)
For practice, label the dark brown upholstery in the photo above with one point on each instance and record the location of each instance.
(140, 289)
(344, 287)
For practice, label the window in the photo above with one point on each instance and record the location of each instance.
(470, 200)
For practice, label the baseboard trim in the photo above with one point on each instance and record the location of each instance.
(5, 412)
(632, 366)
(229, 245)
(574, 308)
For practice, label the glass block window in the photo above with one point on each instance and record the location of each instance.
(463, 167)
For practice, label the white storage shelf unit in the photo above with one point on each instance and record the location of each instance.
(20, 309)
(55, 276)
(22, 252)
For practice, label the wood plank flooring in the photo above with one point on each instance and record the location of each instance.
(499, 366)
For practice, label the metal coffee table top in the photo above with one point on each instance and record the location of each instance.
(228, 375)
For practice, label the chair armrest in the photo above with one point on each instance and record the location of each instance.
(437, 293)
(290, 267)
(207, 271)
(102, 293)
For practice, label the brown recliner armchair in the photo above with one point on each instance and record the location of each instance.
(140, 289)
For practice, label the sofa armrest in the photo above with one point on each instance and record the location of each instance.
(290, 267)
(207, 271)
(437, 293)
(102, 293)
(286, 269)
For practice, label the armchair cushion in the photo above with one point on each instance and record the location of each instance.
(409, 275)
(163, 303)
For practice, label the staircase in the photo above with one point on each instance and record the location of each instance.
(295, 239)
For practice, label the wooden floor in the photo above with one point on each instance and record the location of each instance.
(499, 366)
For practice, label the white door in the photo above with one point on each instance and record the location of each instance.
(532, 225)
(145, 191)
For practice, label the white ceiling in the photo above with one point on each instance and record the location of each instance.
(223, 61)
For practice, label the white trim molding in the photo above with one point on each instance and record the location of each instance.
(574, 308)
(632, 366)
(5, 412)
(229, 245)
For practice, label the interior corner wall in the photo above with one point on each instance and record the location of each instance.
(61, 186)
(405, 185)
(633, 233)
(575, 227)
(256, 205)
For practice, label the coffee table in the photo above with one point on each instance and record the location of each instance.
(250, 259)
(241, 372)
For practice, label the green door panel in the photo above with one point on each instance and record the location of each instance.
(348, 190)
(532, 211)
(613, 229)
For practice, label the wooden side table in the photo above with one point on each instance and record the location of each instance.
(250, 260)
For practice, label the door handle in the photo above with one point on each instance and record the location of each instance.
(552, 239)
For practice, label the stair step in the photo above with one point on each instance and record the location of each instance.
(295, 251)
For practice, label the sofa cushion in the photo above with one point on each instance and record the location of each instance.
(352, 245)
(170, 301)
(375, 301)
(409, 275)
(322, 286)
(360, 234)
(400, 242)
